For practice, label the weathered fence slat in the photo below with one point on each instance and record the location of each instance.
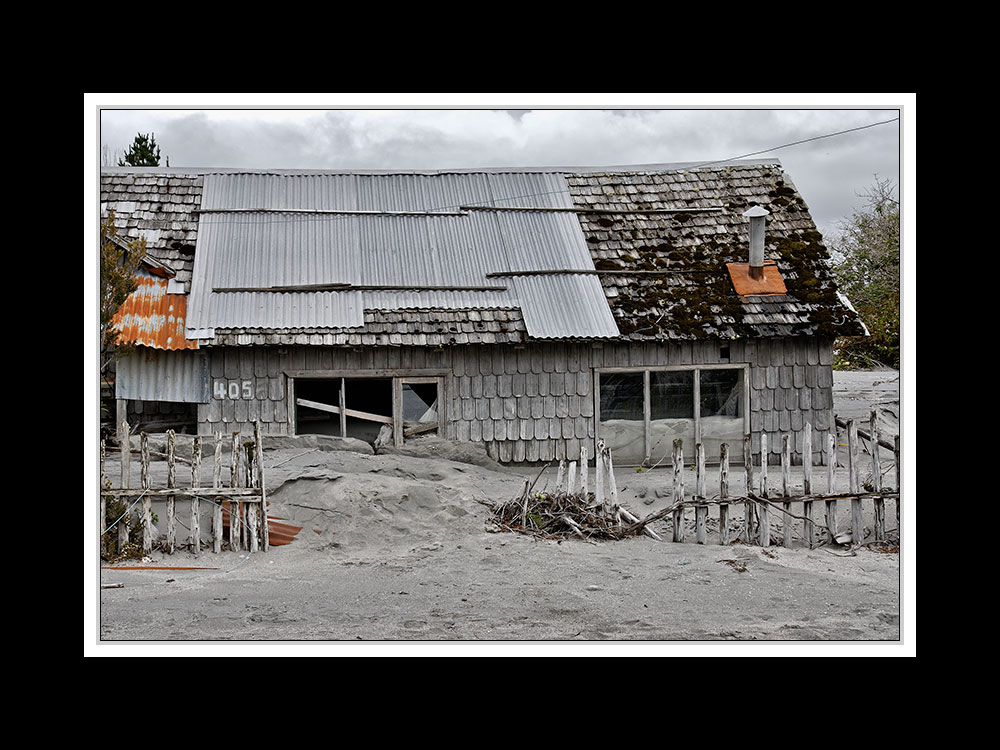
(599, 474)
(171, 499)
(678, 488)
(762, 508)
(147, 501)
(786, 490)
(853, 485)
(583, 469)
(878, 503)
(899, 487)
(701, 510)
(749, 506)
(217, 507)
(808, 526)
(251, 509)
(235, 510)
(195, 503)
(104, 503)
(259, 446)
(724, 493)
(831, 468)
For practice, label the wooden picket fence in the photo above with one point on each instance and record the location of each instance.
(244, 500)
(763, 505)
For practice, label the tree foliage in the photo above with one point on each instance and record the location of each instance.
(866, 267)
(120, 259)
(142, 153)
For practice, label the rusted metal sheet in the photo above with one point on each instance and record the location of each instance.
(745, 285)
(152, 317)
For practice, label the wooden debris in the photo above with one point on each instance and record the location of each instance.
(560, 515)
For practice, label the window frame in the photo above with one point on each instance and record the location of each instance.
(697, 369)
(397, 378)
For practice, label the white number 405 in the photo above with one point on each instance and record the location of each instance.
(233, 389)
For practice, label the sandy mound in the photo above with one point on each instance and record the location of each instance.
(363, 505)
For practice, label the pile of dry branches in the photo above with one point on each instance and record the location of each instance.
(567, 512)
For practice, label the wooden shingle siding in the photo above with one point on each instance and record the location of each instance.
(534, 402)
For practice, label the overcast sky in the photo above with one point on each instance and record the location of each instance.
(830, 172)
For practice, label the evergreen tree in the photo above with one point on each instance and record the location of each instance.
(142, 153)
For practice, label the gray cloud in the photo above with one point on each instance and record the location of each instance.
(830, 173)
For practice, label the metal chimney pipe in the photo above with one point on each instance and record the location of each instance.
(756, 216)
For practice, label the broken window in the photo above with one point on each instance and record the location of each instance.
(347, 407)
(364, 407)
(419, 402)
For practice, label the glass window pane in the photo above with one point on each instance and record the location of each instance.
(622, 425)
(720, 393)
(721, 410)
(671, 394)
(671, 413)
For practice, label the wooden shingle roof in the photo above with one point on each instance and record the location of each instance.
(660, 239)
(665, 274)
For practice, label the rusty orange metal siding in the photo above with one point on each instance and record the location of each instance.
(151, 317)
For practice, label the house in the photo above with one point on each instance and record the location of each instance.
(531, 310)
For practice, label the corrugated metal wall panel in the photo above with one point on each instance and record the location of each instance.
(154, 375)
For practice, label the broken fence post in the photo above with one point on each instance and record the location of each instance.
(583, 470)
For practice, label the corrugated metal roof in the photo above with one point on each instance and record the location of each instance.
(389, 230)
(152, 317)
(574, 307)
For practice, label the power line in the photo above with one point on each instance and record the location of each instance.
(796, 143)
